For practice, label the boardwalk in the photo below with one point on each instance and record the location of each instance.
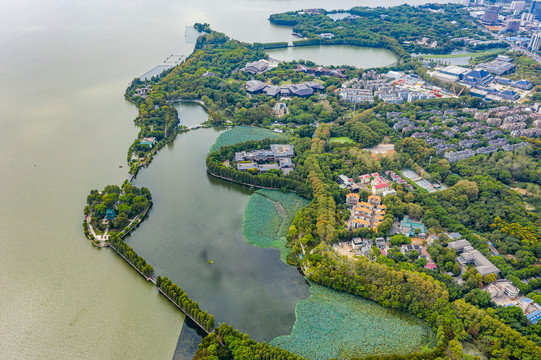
(148, 278)
(181, 309)
(153, 280)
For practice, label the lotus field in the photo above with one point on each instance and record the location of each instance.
(244, 133)
(267, 218)
(337, 325)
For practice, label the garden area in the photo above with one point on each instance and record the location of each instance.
(241, 134)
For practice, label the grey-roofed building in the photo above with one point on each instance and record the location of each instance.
(301, 90)
(266, 167)
(467, 144)
(454, 156)
(492, 134)
(498, 142)
(326, 35)
(458, 245)
(256, 67)
(487, 150)
(284, 91)
(286, 171)
(468, 255)
(255, 86)
(244, 166)
(314, 85)
(282, 150)
(272, 90)
(482, 264)
(407, 248)
(286, 162)
(514, 146)
(381, 243)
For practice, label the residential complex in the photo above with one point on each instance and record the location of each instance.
(279, 157)
(367, 214)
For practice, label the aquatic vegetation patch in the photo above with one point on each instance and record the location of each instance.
(267, 218)
(331, 324)
(244, 133)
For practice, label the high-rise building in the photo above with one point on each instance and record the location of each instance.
(512, 25)
(535, 8)
(518, 5)
(527, 18)
(491, 15)
(535, 42)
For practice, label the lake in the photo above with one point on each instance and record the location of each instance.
(64, 66)
(336, 55)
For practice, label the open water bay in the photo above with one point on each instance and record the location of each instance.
(195, 218)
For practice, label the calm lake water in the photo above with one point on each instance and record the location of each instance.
(66, 128)
(336, 55)
(196, 218)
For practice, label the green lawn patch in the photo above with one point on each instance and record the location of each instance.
(244, 133)
(470, 54)
(342, 139)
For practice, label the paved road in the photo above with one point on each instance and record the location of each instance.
(513, 46)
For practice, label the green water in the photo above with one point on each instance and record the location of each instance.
(266, 225)
(337, 325)
(197, 217)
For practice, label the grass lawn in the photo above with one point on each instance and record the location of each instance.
(343, 139)
(471, 54)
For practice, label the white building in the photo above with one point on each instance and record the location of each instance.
(518, 5)
(535, 42)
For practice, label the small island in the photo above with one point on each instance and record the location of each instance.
(115, 211)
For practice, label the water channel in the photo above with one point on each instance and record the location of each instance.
(64, 66)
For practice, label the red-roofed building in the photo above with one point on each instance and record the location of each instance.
(378, 186)
(365, 179)
(431, 266)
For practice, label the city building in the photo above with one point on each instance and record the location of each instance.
(363, 245)
(527, 18)
(265, 160)
(256, 67)
(501, 289)
(512, 25)
(410, 227)
(535, 9)
(454, 156)
(535, 42)
(490, 16)
(378, 185)
(518, 5)
(318, 71)
(365, 213)
(469, 255)
(352, 199)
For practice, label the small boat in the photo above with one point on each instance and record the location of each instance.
(119, 166)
